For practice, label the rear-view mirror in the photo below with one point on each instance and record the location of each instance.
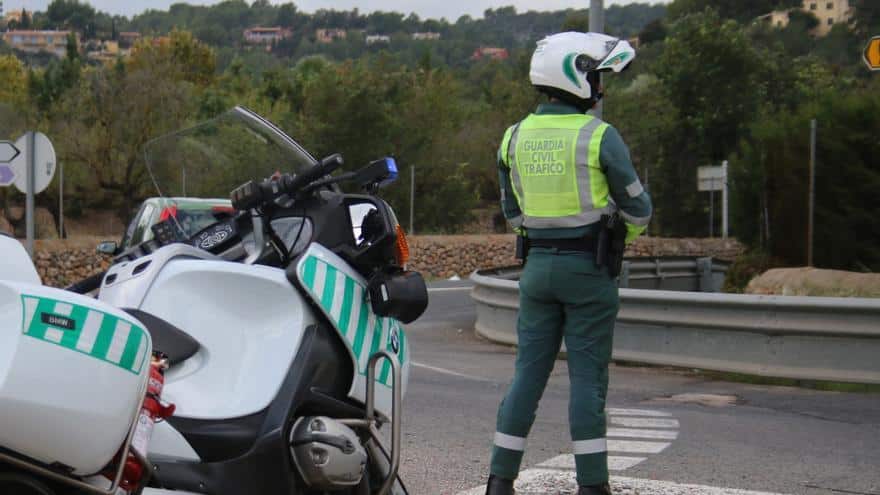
(108, 247)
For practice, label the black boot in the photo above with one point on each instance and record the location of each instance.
(499, 486)
(602, 489)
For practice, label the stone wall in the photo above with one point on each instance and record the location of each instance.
(61, 263)
(447, 256)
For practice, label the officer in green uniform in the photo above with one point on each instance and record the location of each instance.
(561, 171)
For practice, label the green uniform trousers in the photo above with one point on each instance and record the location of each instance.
(563, 295)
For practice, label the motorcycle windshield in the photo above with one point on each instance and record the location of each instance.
(214, 157)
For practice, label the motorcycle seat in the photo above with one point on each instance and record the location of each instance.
(167, 338)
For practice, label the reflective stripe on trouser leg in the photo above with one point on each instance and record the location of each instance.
(539, 329)
(591, 302)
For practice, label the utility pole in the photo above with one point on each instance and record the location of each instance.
(812, 200)
(597, 25)
(724, 200)
(711, 214)
(61, 201)
(29, 200)
(412, 198)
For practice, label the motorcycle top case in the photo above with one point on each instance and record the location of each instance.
(73, 372)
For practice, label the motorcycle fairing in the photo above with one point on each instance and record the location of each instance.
(341, 294)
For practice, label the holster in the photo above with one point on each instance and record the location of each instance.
(611, 244)
(522, 248)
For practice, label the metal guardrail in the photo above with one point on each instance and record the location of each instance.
(807, 338)
(677, 273)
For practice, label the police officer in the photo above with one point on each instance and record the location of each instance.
(561, 171)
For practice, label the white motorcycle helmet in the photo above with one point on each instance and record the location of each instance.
(567, 65)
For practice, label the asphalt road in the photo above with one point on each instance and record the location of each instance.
(670, 427)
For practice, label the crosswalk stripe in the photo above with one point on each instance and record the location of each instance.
(615, 462)
(616, 411)
(544, 481)
(636, 447)
(642, 433)
(644, 422)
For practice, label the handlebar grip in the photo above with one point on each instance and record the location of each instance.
(326, 166)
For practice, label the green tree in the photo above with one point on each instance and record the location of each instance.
(771, 187)
(182, 55)
(14, 77)
(740, 10)
(103, 124)
(710, 73)
(576, 21)
(653, 31)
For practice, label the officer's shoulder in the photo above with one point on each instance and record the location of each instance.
(509, 130)
(610, 132)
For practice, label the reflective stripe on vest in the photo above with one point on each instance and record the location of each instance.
(555, 170)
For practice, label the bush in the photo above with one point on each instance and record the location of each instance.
(746, 267)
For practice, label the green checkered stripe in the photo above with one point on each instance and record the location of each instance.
(345, 302)
(100, 335)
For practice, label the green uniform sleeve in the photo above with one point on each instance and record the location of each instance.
(626, 189)
(509, 205)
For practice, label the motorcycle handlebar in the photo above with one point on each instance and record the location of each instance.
(254, 194)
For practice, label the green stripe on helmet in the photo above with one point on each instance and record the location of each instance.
(569, 70)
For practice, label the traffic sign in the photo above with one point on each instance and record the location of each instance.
(8, 152)
(7, 175)
(872, 53)
(711, 178)
(44, 162)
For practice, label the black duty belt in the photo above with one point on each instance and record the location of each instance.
(583, 244)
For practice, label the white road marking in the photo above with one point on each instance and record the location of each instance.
(449, 372)
(644, 422)
(617, 411)
(448, 289)
(641, 433)
(636, 447)
(544, 481)
(615, 462)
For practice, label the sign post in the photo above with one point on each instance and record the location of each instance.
(37, 160)
(713, 179)
(872, 54)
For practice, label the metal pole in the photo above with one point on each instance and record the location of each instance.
(648, 188)
(61, 200)
(29, 203)
(412, 198)
(724, 199)
(812, 200)
(597, 25)
(711, 213)
(183, 173)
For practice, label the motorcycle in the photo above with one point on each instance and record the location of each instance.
(276, 337)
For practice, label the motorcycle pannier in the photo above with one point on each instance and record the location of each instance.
(73, 372)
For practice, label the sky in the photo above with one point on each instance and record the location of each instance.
(450, 9)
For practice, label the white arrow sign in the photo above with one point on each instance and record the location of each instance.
(8, 152)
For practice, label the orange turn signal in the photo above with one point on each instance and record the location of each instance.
(401, 251)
